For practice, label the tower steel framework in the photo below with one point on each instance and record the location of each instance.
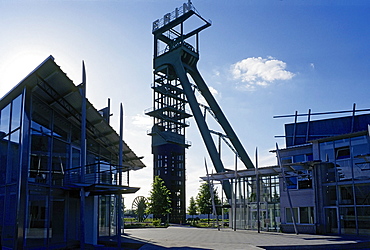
(175, 58)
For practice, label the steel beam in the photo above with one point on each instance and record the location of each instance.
(202, 125)
(221, 118)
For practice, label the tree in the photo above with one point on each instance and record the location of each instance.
(204, 200)
(192, 209)
(159, 200)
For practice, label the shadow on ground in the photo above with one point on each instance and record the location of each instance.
(129, 242)
(358, 245)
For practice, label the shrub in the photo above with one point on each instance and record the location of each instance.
(156, 222)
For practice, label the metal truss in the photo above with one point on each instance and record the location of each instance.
(180, 60)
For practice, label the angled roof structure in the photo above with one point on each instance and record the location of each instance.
(50, 83)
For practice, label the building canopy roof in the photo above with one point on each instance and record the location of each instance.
(54, 87)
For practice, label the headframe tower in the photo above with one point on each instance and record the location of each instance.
(176, 53)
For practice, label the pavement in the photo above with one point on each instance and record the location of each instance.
(185, 237)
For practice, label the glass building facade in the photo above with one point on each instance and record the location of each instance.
(346, 185)
(41, 176)
(328, 176)
(250, 208)
(321, 187)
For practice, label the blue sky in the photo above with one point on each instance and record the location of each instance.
(261, 58)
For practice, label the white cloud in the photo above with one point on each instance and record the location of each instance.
(216, 73)
(258, 71)
(142, 121)
(203, 101)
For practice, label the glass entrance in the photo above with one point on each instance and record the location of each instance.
(331, 220)
(263, 216)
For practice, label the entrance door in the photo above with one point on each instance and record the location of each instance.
(331, 220)
(263, 217)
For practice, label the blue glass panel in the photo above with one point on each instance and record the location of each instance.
(363, 215)
(39, 169)
(344, 170)
(14, 137)
(299, 158)
(2, 199)
(60, 159)
(14, 157)
(361, 168)
(3, 159)
(16, 112)
(36, 232)
(4, 120)
(291, 182)
(360, 145)
(327, 151)
(10, 218)
(309, 157)
(346, 196)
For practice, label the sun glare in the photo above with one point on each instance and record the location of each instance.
(16, 67)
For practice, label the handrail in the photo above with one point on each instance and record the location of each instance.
(169, 17)
(98, 173)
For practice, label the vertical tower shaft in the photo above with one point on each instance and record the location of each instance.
(175, 59)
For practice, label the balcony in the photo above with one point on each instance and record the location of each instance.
(99, 178)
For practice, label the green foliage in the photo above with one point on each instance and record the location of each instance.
(192, 209)
(204, 200)
(156, 222)
(159, 200)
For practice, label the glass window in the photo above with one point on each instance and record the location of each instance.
(309, 157)
(361, 168)
(299, 158)
(41, 117)
(304, 179)
(39, 170)
(363, 217)
(327, 151)
(362, 194)
(346, 195)
(14, 137)
(2, 203)
(348, 220)
(73, 174)
(10, 220)
(342, 153)
(57, 218)
(292, 182)
(14, 158)
(16, 112)
(289, 218)
(360, 146)
(306, 215)
(3, 159)
(36, 232)
(286, 160)
(4, 120)
(344, 170)
(59, 161)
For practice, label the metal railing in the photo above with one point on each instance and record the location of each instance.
(98, 173)
(169, 17)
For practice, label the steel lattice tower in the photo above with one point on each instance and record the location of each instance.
(175, 58)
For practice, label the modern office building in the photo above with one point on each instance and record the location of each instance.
(321, 184)
(63, 168)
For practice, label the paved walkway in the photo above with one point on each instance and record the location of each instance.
(181, 237)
